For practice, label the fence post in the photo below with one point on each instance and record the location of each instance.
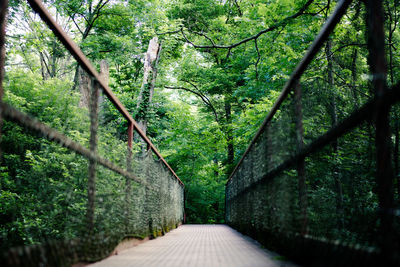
(384, 170)
(3, 22)
(128, 181)
(301, 171)
(94, 104)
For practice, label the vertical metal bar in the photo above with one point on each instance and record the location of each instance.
(384, 170)
(301, 170)
(3, 22)
(128, 181)
(130, 134)
(94, 97)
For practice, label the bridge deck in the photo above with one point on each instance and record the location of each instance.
(196, 245)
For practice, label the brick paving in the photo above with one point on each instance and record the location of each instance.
(196, 246)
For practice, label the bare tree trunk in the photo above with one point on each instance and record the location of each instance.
(84, 83)
(149, 79)
(105, 75)
(84, 88)
(104, 71)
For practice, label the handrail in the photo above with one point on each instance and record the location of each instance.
(359, 116)
(77, 53)
(298, 72)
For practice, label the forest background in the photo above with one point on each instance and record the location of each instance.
(220, 67)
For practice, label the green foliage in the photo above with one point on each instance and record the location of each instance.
(205, 124)
(193, 156)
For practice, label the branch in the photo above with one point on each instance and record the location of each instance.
(93, 17)
(205, 36)
(238, 7)
(258, 58)
(169, 32)
(76, 24)
(97, 9)
(198, 90)
(45, 63)
(339, 49)
(282, 23)
(204, 98)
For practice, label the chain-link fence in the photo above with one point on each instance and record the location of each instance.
(72, 188)
(317, 182)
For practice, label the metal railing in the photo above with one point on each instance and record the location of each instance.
(38, 6)
(375, 111)
(296, 74)
(9, 113)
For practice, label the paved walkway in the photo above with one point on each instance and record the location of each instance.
(196, 245)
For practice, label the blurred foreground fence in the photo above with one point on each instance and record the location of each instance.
(324, 194)
(84, 205)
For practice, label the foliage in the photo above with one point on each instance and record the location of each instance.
(216, 83)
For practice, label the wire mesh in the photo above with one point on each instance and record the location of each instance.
(71, 187)
(323, 195)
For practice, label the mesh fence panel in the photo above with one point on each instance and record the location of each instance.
(324, 206)
(59, 207)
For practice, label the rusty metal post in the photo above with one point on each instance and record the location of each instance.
(301, 169)
(128, 181)
(3, 22)
(94, 106)
(384, 171)
(130, 134)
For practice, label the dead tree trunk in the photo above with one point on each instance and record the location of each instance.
(149, 79)
(84, 88)
(105, 75)
(84, 83)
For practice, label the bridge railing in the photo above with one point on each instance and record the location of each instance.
(316, 182)
(85, 198)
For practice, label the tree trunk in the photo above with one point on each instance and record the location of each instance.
(105, 75)
(396, 154)
(84, 88)
(216, 172)
(229, 135)
(354, 77)
(53, 59)
(388, 242)
(42, 70)
(84, 83)
(335, 146)
(394, 108)
(149, 79)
